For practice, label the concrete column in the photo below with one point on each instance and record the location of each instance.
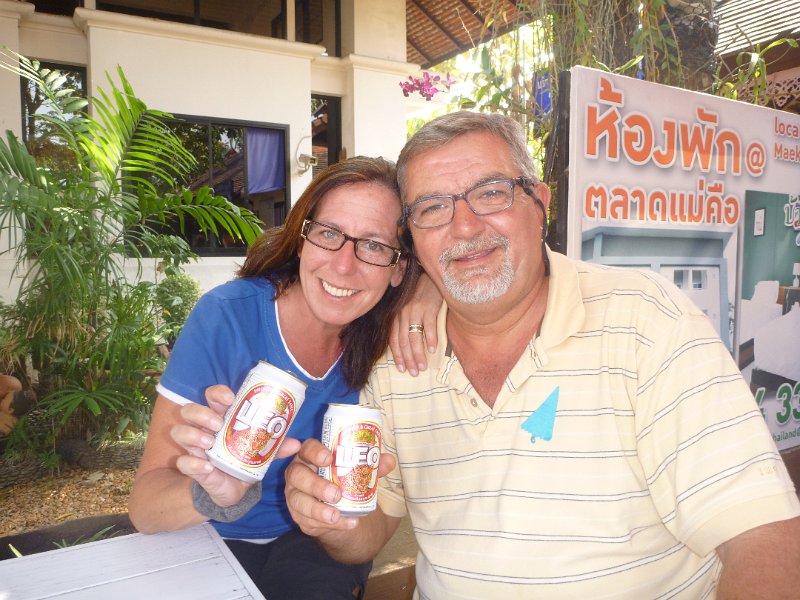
(11, 13)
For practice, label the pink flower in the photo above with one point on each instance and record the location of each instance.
(425, 85)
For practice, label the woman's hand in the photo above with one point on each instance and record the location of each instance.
(407, 346)
(196, 435)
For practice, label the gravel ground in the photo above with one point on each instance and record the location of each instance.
(72, 494)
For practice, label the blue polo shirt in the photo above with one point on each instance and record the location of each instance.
(231, 328)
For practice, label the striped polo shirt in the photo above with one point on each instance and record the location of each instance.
(622, 450)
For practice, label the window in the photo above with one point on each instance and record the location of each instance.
(326, 131)
(243, 162)
(699, 280)
(316, 21)
(261, 17)
(695, 279)
(42, 138)
(57, 7)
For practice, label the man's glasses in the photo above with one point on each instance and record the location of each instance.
(483, 199)
(368, 251)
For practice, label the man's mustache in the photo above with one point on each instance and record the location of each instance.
(466, 247)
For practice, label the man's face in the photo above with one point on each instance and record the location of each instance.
(477, 259)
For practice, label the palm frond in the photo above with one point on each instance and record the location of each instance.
(15, 159)
(129, 143)
(212, 212)
(64, 103)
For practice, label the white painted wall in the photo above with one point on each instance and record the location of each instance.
(375, 128)
(372, 28)
(10, 119)
(54, 38)
(9, 86)
(206, 72)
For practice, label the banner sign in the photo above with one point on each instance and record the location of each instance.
(706, 192)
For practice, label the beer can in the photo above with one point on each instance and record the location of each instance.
(353, 435)
(256, 423)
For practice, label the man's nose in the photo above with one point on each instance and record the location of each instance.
(465, 222)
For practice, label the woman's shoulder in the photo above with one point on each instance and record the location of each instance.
(241, 289)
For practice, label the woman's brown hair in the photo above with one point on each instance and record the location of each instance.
(274, 255)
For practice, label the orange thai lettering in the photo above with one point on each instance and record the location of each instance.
(637, 138)
(599, 128)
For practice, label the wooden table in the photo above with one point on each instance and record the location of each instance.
(193, 564)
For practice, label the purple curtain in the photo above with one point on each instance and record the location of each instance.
(266, 164)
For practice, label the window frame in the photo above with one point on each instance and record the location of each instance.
(210, 122)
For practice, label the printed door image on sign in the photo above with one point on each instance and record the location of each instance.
(695, 262)
(701, 284)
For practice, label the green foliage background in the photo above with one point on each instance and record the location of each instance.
(85, 322)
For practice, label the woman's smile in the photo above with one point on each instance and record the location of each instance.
(337, 291)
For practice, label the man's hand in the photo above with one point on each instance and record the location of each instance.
(309, 496)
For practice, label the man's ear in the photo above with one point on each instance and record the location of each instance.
(542, 190)
(399, 272)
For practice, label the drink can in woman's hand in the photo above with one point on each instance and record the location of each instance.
(256, 423)
(353, 435)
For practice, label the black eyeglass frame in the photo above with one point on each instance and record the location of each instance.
(307, 223)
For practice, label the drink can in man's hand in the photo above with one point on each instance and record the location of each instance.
(256, 423)
(353, 435)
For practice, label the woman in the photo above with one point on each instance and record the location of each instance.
(314, 297)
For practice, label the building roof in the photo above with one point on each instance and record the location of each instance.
(745, 23)
(440, 29)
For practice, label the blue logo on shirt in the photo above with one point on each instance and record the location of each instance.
(540, 423)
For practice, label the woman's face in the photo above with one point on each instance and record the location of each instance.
(337, 286)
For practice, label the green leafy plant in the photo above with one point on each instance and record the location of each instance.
(104, 534)
(656, 41)
(176, 295)
(85, 318)
(748, 80)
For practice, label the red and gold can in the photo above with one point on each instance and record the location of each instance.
(353, 435)
(256, 423)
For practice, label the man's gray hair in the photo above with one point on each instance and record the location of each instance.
(446, 128)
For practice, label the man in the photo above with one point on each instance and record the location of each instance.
(581, 431)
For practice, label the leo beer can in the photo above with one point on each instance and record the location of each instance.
(353, 435)
(256, 423)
